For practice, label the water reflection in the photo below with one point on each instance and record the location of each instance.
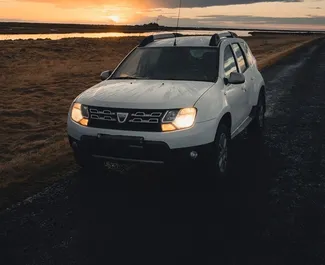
(104, 34)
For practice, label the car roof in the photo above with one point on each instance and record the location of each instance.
(168, 40)
(198, 41)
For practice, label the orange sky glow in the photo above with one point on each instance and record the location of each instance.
(307, 14)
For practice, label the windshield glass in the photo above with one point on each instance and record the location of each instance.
(170, 63)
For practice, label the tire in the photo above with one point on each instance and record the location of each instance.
(257, 125)
(218, 163)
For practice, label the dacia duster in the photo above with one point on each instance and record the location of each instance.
(172, 98)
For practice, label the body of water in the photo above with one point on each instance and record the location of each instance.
(53, 36)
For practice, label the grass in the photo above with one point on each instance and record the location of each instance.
(38, 81)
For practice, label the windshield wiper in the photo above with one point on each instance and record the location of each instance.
(126, 77)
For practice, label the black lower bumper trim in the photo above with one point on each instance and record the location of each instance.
(136, 149)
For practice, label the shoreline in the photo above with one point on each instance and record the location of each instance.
(16, 28)
(118, 35)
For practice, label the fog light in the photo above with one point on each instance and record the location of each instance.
(193, 155)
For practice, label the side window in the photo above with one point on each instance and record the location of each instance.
(242, 63)
(229, 63)
(248, 53)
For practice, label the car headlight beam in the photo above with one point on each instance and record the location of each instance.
(178, 119)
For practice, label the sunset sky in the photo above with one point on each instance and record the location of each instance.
(290, 14)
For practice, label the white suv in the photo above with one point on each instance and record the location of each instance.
(172, 98)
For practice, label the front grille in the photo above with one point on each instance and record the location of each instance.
(126, 119)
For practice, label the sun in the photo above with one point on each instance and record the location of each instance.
(114, 18)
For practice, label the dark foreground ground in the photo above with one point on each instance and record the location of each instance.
(270, 211)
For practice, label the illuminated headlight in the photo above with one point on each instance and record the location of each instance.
(79, 114)
(178, 119)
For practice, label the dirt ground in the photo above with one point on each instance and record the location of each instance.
(38, 81)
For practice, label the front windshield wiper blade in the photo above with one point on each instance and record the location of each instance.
(126, 77)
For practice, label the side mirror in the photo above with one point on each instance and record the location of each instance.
(106, 74)
(235, 78)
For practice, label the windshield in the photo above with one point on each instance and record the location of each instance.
(170, 63)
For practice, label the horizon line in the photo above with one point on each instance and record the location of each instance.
(161, 26)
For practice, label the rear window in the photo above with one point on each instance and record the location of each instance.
(248, 53)
(241, 60)
(170, 63)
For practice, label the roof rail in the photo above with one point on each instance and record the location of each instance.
(152, 38)
(216, 38)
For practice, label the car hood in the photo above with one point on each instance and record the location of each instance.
(147, 94)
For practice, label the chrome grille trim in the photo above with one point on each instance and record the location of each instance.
(106, 118)
(106, 111)
(106, 115)
(139, 120)
(143, 114)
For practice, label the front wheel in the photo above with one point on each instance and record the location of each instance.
(218, 163)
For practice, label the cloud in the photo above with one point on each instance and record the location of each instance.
(214, 21)
(206, 3)
(154, 3)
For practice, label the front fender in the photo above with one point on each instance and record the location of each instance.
(211, 103)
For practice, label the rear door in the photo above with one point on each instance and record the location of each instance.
(253, 71)
(234, 93)
(245, 69)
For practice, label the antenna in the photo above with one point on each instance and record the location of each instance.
(179, 12)
(157, 22)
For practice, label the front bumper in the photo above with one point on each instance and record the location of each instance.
(200, 134)
(132, 149)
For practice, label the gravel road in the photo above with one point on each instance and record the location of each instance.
(270, 211)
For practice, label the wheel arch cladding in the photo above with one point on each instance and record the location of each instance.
(226, 120)
(257, 95)
(262, 90)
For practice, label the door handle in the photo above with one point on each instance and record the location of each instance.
(244, 89)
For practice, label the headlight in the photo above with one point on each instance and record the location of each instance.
(79, 114)
(178, 119)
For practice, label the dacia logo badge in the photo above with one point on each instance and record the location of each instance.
(122, 116)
